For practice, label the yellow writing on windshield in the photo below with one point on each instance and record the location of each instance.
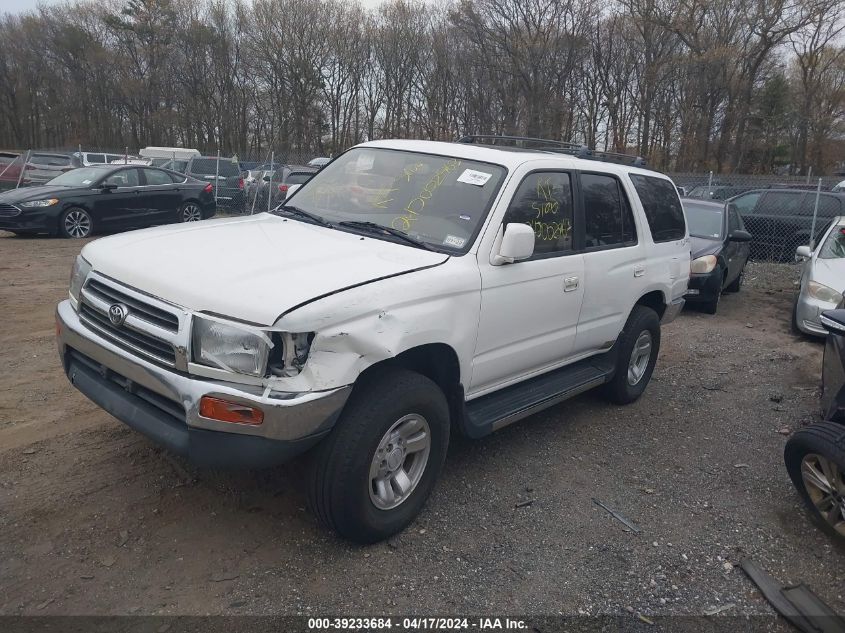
(417, 204)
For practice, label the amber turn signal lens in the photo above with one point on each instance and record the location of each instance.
(232, 412)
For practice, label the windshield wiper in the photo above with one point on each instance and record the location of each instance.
(373, 227)
(301, 213)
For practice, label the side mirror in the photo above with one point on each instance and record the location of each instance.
(833, 321)
(803, 253)
(108, 187)
(517, 243)
(740, 236)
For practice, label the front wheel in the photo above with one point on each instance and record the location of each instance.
(638, 346)
(76, 223)
(371, 476)
(815, 460)
(190, 212)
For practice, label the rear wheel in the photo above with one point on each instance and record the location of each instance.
(371, 476)
(639, 345)
(76, 223)
(190, 212)
(815, 460)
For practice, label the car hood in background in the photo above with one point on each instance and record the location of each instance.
(37, 193)
(253, 269)
(701, 246)
(829, 272)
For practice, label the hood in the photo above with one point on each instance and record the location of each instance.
(23, 194)
(254, 268)
(701, 246)
(830, 272)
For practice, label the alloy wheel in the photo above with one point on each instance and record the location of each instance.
(191, 213)
(399, 461)
(825, 485)
(77, 223)
(640, 356)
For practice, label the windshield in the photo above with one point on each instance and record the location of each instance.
(704, 221)
(439, 200)
(82, 177)
(834, 246)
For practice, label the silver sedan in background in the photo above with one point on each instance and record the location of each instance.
(822, 279)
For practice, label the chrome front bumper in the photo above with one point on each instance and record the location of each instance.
(118, 380)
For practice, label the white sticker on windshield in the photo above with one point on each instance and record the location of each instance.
(86, 182)
(472, 177)
(453, 240)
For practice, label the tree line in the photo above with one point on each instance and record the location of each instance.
(730, 85)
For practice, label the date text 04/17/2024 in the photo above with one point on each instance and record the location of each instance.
(417, 624)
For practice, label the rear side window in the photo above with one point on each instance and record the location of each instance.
(156, 177)
(544, 202)
(96, 158)
(298, 178)
(608, 220)
(662, 207)
(209, 167)
(828, 206)
(781, 203)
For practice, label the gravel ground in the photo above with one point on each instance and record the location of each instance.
(94, 519)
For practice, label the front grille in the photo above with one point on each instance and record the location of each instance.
(151, 314)
(128, 338)
(168, 406)
(9, 211)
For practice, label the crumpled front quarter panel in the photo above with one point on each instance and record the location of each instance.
(361, 326)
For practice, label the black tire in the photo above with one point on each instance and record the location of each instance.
(76, 223)
(827, 440)
(736, 284)
(712, 306)
(339, 490)
(620, 390)
(190, 211)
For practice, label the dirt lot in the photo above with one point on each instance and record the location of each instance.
(94, 519)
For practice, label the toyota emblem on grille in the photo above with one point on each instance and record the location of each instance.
(118, 313)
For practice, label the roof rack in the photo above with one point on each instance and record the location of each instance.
(563, 147)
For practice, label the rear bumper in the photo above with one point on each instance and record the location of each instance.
(164, 404)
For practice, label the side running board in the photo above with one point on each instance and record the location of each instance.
(496, 410)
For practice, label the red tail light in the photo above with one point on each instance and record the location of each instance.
(209, 188)
(283, 188)
(240, 183)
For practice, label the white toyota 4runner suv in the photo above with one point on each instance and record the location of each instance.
(408, 290)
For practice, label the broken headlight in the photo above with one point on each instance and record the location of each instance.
(230, 347)
(289, 357)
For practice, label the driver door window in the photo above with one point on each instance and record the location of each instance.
(544, 202)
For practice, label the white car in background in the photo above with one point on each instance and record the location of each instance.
(838, 188)
(822, 279)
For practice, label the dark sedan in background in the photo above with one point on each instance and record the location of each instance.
(781, 219)
(105, 198)
(815, 454)
(719, 251)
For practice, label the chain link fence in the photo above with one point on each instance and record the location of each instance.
(781, 212)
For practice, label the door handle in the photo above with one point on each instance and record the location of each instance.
(639, 271)
(570, 284)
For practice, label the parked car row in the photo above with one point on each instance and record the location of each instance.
(105, 198)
